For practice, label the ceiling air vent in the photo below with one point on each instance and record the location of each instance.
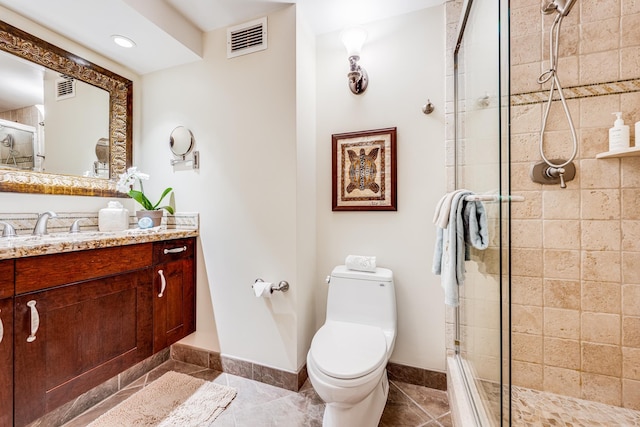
(65, 88)
(247, 38)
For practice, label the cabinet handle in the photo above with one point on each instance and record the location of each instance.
(1, 329)
(164, 283)
(35, 320)
(175, 250)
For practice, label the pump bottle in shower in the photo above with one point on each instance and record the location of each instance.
(618, 134)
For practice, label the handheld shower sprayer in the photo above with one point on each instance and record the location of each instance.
(557, 170)
(563, 7)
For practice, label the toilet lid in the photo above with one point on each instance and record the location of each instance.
(348, 350)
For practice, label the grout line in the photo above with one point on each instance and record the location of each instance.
(413, 401)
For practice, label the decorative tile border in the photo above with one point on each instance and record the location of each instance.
(24, 222)
(576, 92)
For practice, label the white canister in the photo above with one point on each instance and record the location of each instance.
(113, 218)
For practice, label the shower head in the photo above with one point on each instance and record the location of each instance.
(563, 7)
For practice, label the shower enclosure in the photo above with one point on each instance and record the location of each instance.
(547, 331)
(481, 76)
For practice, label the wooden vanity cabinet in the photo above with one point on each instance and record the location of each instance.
(174, 282)
(6, 343)
(91, 319)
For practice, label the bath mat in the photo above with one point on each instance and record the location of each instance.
(174, 399)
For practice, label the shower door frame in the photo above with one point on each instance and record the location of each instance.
(504, 259)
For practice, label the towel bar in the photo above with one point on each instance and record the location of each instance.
(493, 198)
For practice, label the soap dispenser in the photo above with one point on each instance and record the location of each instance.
(618, 134)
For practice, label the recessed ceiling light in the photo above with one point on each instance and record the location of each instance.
(123, 41)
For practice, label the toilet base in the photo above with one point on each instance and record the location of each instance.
(364, 414)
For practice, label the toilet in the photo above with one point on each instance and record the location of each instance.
(347, 361)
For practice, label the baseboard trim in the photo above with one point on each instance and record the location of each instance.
(77, 406)
(293, 380)
(417, 376)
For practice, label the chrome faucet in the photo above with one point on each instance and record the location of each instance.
(75, 227)
(41, 223)
(9, 230)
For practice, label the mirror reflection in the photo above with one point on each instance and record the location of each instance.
(68, 135)
(18, 146)
(62, 118)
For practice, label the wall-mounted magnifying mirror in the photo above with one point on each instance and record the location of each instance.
(101, 166)
(181, 143)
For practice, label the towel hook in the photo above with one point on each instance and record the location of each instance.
(428, 107)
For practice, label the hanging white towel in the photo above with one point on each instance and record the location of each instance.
(443, 209)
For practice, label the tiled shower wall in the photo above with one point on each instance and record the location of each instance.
(576, 251)
(27, 116)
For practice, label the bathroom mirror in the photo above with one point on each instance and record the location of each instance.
(181, 141)
(115, 119)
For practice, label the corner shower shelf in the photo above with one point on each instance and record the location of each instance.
(629, 152)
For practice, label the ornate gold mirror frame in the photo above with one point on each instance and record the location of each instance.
(33, 49)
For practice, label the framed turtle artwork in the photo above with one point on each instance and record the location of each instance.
(364, 170)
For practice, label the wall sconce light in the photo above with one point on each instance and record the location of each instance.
(353, 39)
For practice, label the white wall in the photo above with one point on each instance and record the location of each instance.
(242, 112)
(73, 126)
(404, 57)
(306, 196)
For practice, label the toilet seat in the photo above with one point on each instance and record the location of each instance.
(348, 350)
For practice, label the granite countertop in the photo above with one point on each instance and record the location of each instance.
(27, 245)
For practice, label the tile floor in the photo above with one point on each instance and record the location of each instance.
(262, 405)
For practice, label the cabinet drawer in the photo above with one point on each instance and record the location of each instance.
(172, 250)
(6, 278)
(41, 272)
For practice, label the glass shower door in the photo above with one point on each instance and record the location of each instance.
(481, 85)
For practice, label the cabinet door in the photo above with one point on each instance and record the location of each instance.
(6, 362)
(76, 337)
(174, 293)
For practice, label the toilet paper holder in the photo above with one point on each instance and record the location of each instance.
(283, 285)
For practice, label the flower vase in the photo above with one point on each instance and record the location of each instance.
(156, 216)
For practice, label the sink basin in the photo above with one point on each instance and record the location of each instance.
(29, 241)
(82, 235)
(10, 241)
(53, 238)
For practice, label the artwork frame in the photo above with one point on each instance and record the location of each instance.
(372, 186)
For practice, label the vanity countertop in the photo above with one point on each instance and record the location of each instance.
(27, 245)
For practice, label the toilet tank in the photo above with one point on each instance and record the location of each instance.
(362, 297)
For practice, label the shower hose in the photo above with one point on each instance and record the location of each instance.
(552, 75)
